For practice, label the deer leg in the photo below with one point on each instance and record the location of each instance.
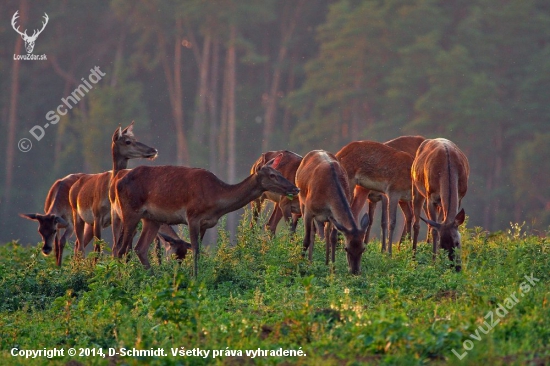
(87, 237)
(333, 240)
(432, 215)
(274, 219)
(360, 196)
(372, 209)
(328, 243)
(79, 229)
(129, 225)
(308, 228)
(194, 234)
(148, 234)
(407, 212)
(117, 229)
(418, 202)
(392, 207)
(62, 241)
(294, 223)
(97, 233)
(384, 222)
(319, 228)
(56, 248)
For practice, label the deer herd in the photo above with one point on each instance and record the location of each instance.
(329, 191)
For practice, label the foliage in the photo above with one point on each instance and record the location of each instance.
(262, 294)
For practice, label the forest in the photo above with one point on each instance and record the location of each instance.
(214, 84)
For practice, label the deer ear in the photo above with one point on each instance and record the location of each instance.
(460, 217)
(337, 225)
(61, 221)
(129, 131)
(276, 161)
(117, 134)
(365, 222)
(431, 223)
(29, 216)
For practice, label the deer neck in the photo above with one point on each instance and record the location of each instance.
(343, 214)
(235, 196)
(119, 162)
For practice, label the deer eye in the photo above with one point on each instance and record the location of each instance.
(271, 175)
(128, 142)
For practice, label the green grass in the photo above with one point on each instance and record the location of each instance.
(261, 294)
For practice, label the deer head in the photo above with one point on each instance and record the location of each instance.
(48, 225)
(354, 246)
(29, 40)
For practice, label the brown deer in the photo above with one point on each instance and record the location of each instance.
(324, 197)
(408, 144)
(57, 215)
(284, 206)
(89, 197)
(440, 175)
(181, 195)
(173, 245)
(378, 167)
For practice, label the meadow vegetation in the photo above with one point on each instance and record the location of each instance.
(262, 294)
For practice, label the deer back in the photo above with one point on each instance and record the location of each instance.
(440, 172)
(324, 186)
(408, 144)
(57, 200)
(376, 166)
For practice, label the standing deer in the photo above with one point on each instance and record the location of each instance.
(181, 195)
(408, 144)
(29, 40)
(173, 245)
(57, 215)
(324, 197)
(440, 175)
(378, 167)
(89, 197)
(284, 206)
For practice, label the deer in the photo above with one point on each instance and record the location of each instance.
(173, 245)
(57, 216)
(440, 176)
(408, 144)
(29, 40)
(284, 206)
(183, 195)
(325, 198)
(89, 197)
(378, 167)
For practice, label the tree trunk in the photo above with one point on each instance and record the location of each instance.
(290, 87)
(175, 91)
(202, 95)
(213, 107)
(12, 121)
(287, 29)
(231, 121)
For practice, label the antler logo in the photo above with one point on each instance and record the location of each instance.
(29, 40)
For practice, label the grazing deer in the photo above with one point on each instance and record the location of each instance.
(324, 197)
(181, 195)
(408, 144)
(57, 215)
(440, 175)
(378, 167)
(173, 245)
(89, 197)
(284, 206)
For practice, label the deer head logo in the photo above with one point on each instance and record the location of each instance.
(29, 40)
